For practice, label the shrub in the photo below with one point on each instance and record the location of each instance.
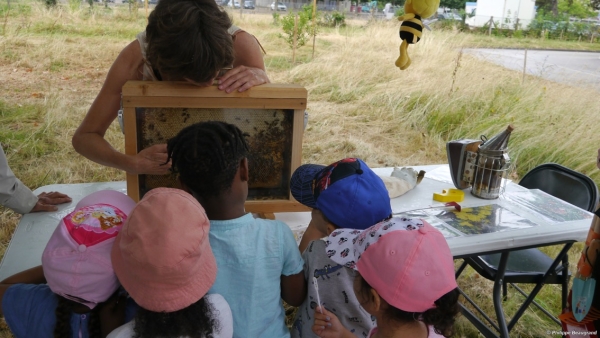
(518, 34)
(302, 29)
(335, 19)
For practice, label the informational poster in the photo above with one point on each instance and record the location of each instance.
(471, 221)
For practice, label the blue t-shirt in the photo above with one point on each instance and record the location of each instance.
(251, 255)
(29, 311)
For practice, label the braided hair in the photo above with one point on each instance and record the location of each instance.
(63, 312)
(207, 155)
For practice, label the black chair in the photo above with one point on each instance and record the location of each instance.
(530, 265)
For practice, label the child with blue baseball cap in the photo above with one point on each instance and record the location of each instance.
(346, 194)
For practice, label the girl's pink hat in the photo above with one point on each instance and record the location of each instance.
(407, 261)
(76, 260)
(162, 256)
(112, 197)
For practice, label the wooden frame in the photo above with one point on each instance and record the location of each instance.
(162, 94)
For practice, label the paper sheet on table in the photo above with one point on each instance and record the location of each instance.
(546, 206)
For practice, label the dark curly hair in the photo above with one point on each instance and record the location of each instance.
(194, 321)
(207, 155)
(441, 317)
(189, 39)
(63, 312)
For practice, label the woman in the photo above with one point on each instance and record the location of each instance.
(185, 40)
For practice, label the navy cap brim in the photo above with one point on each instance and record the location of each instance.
(301, 183)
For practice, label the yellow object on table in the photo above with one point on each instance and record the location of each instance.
(449, 195)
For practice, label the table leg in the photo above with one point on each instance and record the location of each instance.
(498, 295)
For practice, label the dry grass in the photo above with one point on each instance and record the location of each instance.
(53, 62)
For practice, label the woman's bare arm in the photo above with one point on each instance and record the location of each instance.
(88, 139)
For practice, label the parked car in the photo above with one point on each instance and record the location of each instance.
(449, 16)
(233, 4)
(248, 4)
(280, 6)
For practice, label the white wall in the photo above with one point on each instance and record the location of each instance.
(505, 13)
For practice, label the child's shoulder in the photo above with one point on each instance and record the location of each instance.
(271, 223)
(316, 248)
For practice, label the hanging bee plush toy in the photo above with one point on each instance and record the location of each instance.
(412, 26)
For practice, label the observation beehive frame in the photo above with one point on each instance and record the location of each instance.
(272, 115)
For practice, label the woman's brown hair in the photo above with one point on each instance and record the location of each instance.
(188, 39)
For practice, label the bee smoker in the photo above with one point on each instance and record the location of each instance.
(480, 164)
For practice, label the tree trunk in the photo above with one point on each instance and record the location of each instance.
(555, 7)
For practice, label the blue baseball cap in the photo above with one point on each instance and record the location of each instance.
(347, 192)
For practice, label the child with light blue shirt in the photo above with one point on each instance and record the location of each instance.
(257, 260)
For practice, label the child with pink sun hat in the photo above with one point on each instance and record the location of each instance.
(404, 277)
(67, 294)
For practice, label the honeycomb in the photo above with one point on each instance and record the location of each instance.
(269, 139)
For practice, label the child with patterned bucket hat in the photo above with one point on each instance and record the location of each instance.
(346, 194)
(67, 295)
(405, 278)
(163, 258)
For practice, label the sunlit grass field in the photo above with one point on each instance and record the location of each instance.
(54, 61)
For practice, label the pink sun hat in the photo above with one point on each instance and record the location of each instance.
(112, 197)
(76, 260)
(407, 261)
(162, 256)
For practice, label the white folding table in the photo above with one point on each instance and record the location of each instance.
(521, 226)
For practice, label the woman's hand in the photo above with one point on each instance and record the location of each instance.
(242, 78)
(151, 161)
(327, 325)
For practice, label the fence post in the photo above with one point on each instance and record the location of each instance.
(524, 66)
(295, 39)
(491, 22)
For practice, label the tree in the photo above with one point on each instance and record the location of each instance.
(595, 4)
(576, 8)
(456, 4)
(548, 6)
(302, 30)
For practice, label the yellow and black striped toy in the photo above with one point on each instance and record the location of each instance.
(411, 28)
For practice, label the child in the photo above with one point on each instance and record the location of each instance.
(162, 257)
(345, 194)
(79, 275)
(405, 279)
(258, 263)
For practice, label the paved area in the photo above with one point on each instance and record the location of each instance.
(575, 68)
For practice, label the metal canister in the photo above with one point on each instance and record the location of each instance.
(490, 168)
(491, 165)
